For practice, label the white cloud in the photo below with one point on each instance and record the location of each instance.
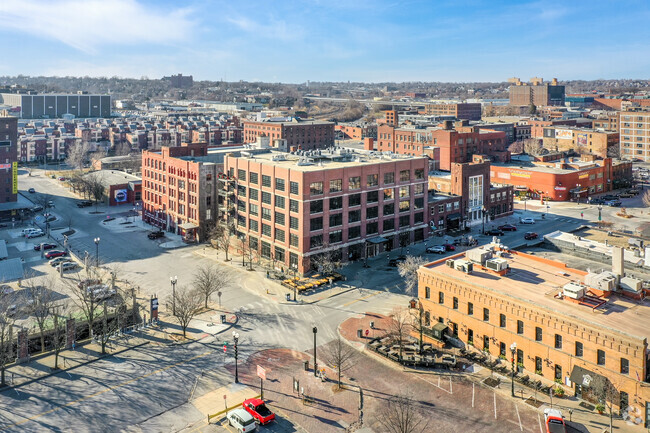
(88, 24)
(275, 29)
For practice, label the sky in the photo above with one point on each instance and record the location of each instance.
(294, 41)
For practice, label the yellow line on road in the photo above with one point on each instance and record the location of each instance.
(123, 384)
(361, 299)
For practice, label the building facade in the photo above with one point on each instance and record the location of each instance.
(635, 135)
(536, 92)
(461, 111)
(300, 134)
(51, 106)
(600, 143)
(8, 159)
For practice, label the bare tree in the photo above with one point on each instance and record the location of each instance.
(341, 356)
(209, 280)
(328, 261)
(58, 331)
(188, 305)
(606, 393)
(40, 300)
(646, 198)
(532, 146)
(95, 186)
(420, 321)
(77, 155)
(43, 200)
(400, 327)
(110, 323)
(88, 290)
(401, 416)
(614, 151)
(408, 269)
(6, 337)
(516, 147)
(221, 236)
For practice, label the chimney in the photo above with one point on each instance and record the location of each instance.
(618, 268)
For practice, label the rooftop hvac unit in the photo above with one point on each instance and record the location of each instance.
(574, 290)
(478, 255)
(450, 263)
(631, 284)
(464, 266)
(497, 264)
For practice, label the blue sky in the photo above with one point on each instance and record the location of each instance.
(328, 40)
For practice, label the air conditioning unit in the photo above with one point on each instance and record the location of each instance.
(574, 290)
(464, 266)
(497, 264)
(450, 263)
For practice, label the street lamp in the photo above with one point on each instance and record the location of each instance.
(315, 363)
(483, 213)
(513, 350)
(235, 338)
(600, 209)
(97, 251)
(173, 280)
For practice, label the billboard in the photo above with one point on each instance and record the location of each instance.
(563, 134)
(582, 139)
(15, 178)
(120, 195)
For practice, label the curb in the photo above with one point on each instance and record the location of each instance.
(311, 302)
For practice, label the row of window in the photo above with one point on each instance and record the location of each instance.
(316, 206)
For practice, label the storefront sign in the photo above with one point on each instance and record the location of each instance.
(520, 174)
(560, 188)
(120, 195)
(563, 134)
(15, 178)
(583, 176)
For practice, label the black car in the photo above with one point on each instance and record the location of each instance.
(36, 208)
(31, 190)
(84, 203)
(609, 197)
(494, 232)
(596, 201)
(633, 191)
(156, 235)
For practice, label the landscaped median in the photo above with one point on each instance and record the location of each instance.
(221, 413)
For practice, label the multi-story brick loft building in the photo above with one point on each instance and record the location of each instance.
(608, 121)
(8, 159)
(596, 142)
(181, 81)
(356, 131)
(292, 208)
(577, 328)
(50, 106)
(536, 92)
(635, 135)
(460, 110)
(300, 134)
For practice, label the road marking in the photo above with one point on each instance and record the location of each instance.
(495, 405)
(521, 427)
(539, 419)
(360, 299)
(472, 395)
(120, 385)
(432, 383)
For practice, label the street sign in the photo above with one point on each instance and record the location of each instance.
(225, 348)
(224, 396)
(367, 332)
(261, 372)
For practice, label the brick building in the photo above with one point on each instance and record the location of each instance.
(536, 92)
(595, 142)
(461, 111)
(8, 159)
(357, 131)
(558, 322)
(635, 135)
(300, 134)
(608, 122)
(291, 208)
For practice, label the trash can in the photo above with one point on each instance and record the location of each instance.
(360, 333)
(288, 297)
(372, 325)
(306, 365)
(223, 318)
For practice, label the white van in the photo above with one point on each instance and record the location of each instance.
(241, 420)
(29, 230)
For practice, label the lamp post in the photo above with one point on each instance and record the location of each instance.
(235, 339)
(513, 350)
(97, 251)
(173, 280)
(600, 209)
(315, 363)
(483, 213)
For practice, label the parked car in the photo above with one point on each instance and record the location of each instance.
(508, 228)
(31, 190)
(449, 247)
(50, 203)
(609, 197)
(59, 260)
(66, 266)
(614, 203)
(241, 420)
(61, 178)
(626, 195)
(36, 208)
(50, 218)
(156, 235)
(88, 282)
(554, 421)
(6, 289)
(55, 253)
(530, 236)
(494, 232)
(596, 201)
(397, 261)
(100, 292)
(84, 203)
(37, 247)
(35, 234)
(633, 191)
(436, 249)
(527, 220)
(25, 232)
(258, 410)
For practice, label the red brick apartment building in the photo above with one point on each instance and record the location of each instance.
(564, 329)
(300, 134)
(357, 131)
(292, 208)
(536, 92)
(582, 140)
(461, 111)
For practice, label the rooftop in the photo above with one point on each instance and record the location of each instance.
(536, 281)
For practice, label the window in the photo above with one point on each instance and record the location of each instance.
(279, 235)
(293, 240)
(558, 341)
(293, 222)
(253, 178)
(336, 185)
(266, 213)
(241, 175)
(279, 254)
(418, 218)
(252, 225)
(254, 194)
(266, 229)
(389, 178)
(372, 196)
(293, 205)
(404, 206)
(336, 236)
(315, 241)
(389, 209)
(502, 320)
(419, 188)
(427, 292)
(419, 173)
(418, 203)
(372, 179)
(405, 175)
(253, 209)
(441, 297)
(470, 336)
(266, 197)
(502, 348)
(470, 309)
(625, 366)
(336, 220)
(486, 315)
(279, 184)
(455, 303)
(279, 218)
(389, 225)
(354, 200)
(601, 357)
(241, 220)
(266, 180)
(404, 220)
(404, 191)
(538, 333)
(316, 188)
(372, 212)
(316, 224)
(241, 190)
(558, 372)
(266, 250)
(293, 187)
(354, 182)
(316, 206)
(389, 194)
(293, 260)
(372, 228)
(354, 216)
(336, 203)
(354, 232)
(520, 327)
(538, 365)
(579, 349)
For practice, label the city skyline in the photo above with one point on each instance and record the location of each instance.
(326, 41)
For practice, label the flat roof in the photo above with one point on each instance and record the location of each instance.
(114, 177)
(536, 281)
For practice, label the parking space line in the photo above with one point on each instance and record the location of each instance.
(473, 394)
(495, 405)
(434, 384)
(539, 419)
(521, 427)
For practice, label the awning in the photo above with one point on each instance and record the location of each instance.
(453, 216)
(439, 327)
(582, 376)
(11, 269)
(578, 191)
(377, 240)
(188, 226)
